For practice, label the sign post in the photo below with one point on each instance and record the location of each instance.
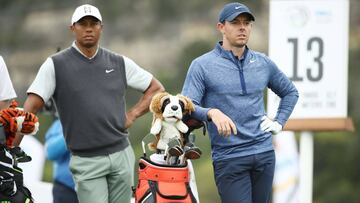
(309, 43)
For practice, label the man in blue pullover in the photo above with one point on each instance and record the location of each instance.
(227, 86)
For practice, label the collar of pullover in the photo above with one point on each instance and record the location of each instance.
(78, 49)
(229, 54)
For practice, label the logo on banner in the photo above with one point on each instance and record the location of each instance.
(298, 16)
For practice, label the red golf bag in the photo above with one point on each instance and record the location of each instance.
(163, 184)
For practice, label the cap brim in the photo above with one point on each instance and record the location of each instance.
(234, 15)
(76, 20)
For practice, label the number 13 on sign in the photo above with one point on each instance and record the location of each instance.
(314, 55)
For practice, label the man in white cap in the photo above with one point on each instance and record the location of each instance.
(88, 84)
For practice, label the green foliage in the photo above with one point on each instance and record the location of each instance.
(354, 93)
(336, 168)
(192, 50)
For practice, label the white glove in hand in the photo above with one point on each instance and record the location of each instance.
(268, 125)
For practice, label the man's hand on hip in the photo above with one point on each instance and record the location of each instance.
(223, 123)
(130, 118)
(268, 125)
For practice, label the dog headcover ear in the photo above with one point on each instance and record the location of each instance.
(188, 105)
(156, 102)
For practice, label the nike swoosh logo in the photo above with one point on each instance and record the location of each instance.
(252, 60)
(109, 71)
(237, 7)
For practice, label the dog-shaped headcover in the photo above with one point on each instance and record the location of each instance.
(168, 110)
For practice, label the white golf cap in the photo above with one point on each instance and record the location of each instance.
(85, 10)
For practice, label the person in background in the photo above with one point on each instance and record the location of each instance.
(56, 151)
(227, 86)
(88, 84)
(7, 91)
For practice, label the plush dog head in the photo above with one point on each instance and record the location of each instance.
(168, 111)
(169, 107)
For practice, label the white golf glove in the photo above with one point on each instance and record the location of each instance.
(268, 125)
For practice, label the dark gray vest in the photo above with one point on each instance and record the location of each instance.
(90, 99)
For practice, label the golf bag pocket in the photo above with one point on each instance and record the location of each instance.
(162, 183)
